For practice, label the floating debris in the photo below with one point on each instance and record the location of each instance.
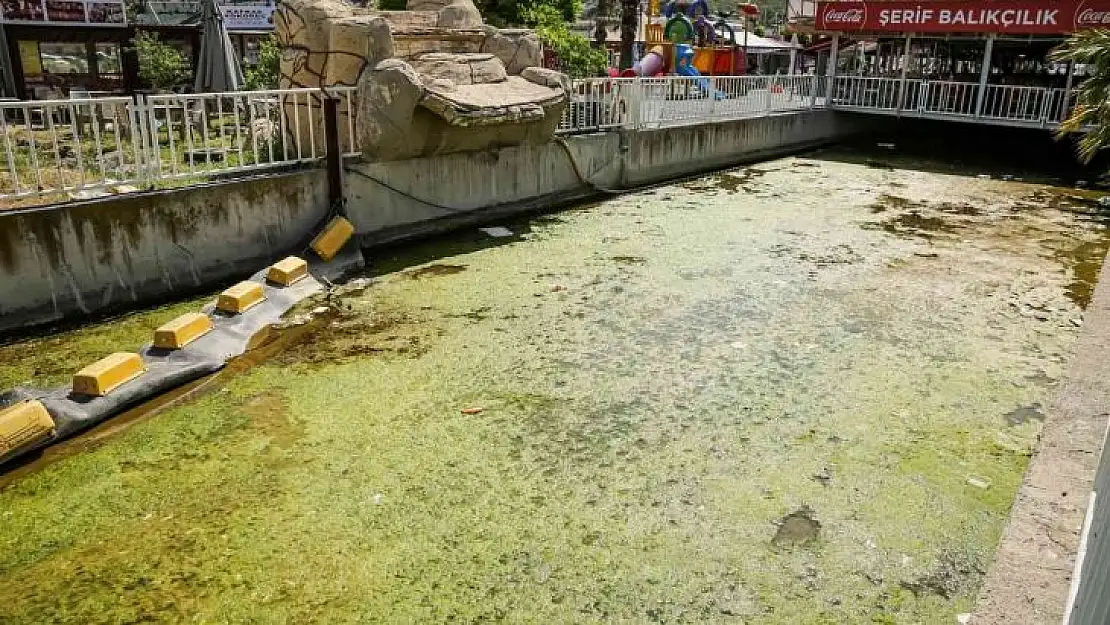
(497, 231)
(824, 476)
(1025, 414)
(979, 482)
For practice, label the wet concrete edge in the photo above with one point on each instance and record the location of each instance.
(1031, 576)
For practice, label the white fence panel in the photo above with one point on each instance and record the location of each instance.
(58, 149)
(68, 146)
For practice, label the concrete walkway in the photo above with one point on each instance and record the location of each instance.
(1032, 572)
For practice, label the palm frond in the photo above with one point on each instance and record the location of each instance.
(1091, 113)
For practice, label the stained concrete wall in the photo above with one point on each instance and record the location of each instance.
(401, 199)
(70, 261)
(74, 260)
(397, 200)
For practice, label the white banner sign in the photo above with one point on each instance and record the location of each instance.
(248, 16)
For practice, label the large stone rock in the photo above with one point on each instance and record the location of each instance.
(461, 14)
(357, 43)
(431, 80)
(387, 98)
(547, 78)
(460, 69)
(517, 49)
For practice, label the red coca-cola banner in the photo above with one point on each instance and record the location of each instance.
(947, 16)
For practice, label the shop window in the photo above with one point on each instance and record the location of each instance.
(251, 55)
(64, 58)
(108, 59)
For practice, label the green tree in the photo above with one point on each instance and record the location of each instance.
(392, 5)
(515, 13)
(1092, 96)
(577, 57)
(161, 65)
(630, 20)
(266, 73)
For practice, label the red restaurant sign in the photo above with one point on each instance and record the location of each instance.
(947, 16)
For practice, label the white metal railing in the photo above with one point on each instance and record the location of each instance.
(239, 131)
(947, 98)
(1032, 104)
(867, 92)
(1021, 105)
(598, 104)
(60, 146)
(85, 146)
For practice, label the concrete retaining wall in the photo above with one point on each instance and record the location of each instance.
(392, 201)
(74, 260)
(70, 261)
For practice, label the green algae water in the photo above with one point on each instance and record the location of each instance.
(799, 392)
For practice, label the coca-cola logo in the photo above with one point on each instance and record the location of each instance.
(845, 17)
(1086, 17)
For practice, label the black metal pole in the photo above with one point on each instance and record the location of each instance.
(334, 159)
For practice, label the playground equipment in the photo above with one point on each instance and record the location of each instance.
(653, 63)
(684, 66)
(711, 48)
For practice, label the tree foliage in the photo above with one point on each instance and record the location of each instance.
(1092, 97)
(576, 56)
(392, 5)
(161, 65)
(267, 72)
(515, 13)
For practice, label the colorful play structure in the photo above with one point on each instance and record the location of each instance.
(684, 42)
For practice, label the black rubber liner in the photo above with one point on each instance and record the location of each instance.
(168, 369)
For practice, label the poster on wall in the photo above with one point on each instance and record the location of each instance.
(29, 58)
(947, 16)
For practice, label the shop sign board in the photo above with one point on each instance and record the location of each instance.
(1023, 17)
(248, 16)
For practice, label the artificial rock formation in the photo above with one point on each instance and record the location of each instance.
(431, 80)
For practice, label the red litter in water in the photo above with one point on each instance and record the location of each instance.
(472, 410)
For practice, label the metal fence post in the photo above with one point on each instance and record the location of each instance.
(636, 116)
(333, 153)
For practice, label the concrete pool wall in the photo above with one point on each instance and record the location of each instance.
(68, 262)
(397, 200)
(65, 262)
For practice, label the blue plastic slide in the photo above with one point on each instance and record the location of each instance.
(687, 69)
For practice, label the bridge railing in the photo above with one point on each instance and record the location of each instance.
(1013, 104)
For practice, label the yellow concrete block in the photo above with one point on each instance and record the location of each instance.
(241, 297)
(288, 271)
(328, 243)
(24, 424)
(108, 373)
(182, 331)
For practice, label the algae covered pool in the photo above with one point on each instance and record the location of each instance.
(799, 392)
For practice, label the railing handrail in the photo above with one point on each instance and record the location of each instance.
(97, 142)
